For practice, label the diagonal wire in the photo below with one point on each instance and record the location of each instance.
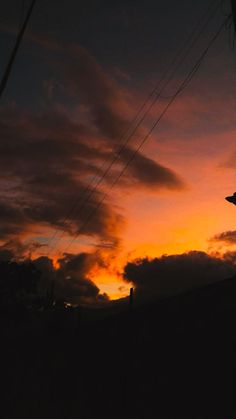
(153, 96)
(22, 12)
(182, 86)
(11, 60)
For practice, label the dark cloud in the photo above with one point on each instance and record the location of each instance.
(227, 237)
(47, 158)
(16, 250)
(110, 113)
(85, 80)
(170, 275)
(146, 172)
(71, 278)
(6, 254)
(45, 163)
(230, 256)
(12, 220)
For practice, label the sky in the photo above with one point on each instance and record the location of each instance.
(82, 72)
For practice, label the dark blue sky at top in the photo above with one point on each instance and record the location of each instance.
(137, 37)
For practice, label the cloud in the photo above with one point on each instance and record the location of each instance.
(72, 282)
(47, 157)
(111, 110)
(12, 220)
(16, 250)
(227, 237)
(45, 163)
(71, 276)
(173, 274)
(230, 257)
(146, 172)
(87, 82)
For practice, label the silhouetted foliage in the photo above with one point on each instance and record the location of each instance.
(18, 281)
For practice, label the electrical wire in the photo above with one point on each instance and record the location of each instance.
(183, 85)
(11, 60)
(178, 60)
(22, 12)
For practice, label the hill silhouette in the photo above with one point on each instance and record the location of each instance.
(169, 359)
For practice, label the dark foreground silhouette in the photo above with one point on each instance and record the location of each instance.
(231, 198)
(172, 359)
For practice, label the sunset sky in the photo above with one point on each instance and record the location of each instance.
(82, 72)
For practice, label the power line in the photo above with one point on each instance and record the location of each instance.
(87, 188)
(22, 12)
(158, 95)
(183, 85)
(10, 63)
(178, 60)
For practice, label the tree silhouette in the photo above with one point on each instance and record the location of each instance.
(18, 281)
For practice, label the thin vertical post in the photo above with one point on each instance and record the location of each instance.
(52, 292)
(131, 299)
(233, 7)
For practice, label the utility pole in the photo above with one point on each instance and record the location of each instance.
(131, 299)
(233, 6)
(8, 69)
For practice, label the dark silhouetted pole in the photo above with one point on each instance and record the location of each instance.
(131, 299)
(15, 49)
(52, 293)
(233, 6)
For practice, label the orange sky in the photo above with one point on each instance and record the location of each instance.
(82, 97)
(168, 223)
